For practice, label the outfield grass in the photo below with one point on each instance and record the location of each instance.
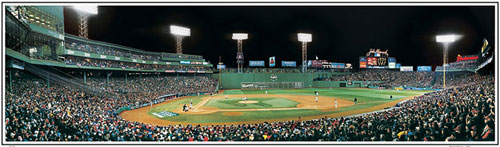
(261, 103)
(366, 98)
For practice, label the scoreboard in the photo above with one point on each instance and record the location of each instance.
(376, 59)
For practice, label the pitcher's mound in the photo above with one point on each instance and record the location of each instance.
(248, 102)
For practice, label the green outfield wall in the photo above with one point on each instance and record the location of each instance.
(234, 80)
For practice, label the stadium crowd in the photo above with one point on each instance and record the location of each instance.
(107, 50)
(35, 112)
(141, 90)
(388, 78)
(80, 61)
(470, 64)
(104, 50)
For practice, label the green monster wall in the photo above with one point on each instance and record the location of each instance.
(233, 80)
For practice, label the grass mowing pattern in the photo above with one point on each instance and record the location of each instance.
(261, 104)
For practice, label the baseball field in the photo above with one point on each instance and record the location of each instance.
(255, 106)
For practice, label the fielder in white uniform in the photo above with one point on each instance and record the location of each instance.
(316, 98)
(335, 103)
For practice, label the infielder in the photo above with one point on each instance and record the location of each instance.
(316, 98)
(335, 103)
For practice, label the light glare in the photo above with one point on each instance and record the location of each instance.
(304, 37)
(92, 9)
(446, 38)
(181, 31)
(240, 36)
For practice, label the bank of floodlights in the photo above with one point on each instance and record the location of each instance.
(446, 40)
(239, 55)
(304, 38)
(179, 32)
(84, 11)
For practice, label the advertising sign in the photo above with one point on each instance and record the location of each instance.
(424, 68)
(256, 63)
(392, 60)
(288, 63)
(221, 66)
(372, 61)
(185, 62)
(316, 63)
(348, 65)
(338, 65)
(272, 61)
(362, 62)
(406, 68)
(392, 64)
(465, 58)
(398, 65)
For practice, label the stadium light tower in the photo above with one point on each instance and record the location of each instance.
(446, 40)
(179, 33)
(84, 12)
(239, 55)
(304, 38)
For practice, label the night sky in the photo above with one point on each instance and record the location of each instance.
(340, 34)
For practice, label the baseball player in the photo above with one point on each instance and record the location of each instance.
(316, 98)
(335, 103)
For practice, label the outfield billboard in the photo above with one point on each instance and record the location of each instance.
(272, 61)
(398, 65)
(338, 65)
(392, 62)
(424, 68)
(362, 62)
(406, 68)
(221, 66)
(256, 63)
(391, 59)
(288, 63)
(185, 62)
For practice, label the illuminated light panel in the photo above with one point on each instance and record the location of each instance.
(446, 38)
(91, 9)
(240, 36)
(181, 31)
(304, 37)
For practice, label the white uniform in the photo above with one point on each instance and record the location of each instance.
(266, 91)
(335, 103)
(316, 98)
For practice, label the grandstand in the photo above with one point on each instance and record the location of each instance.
(65, 88)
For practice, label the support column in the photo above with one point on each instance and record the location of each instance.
(304, 57)
(444, 65)
(10, 80)
(85, 77)
(107, 79)
(48, 80)
(126, 79)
